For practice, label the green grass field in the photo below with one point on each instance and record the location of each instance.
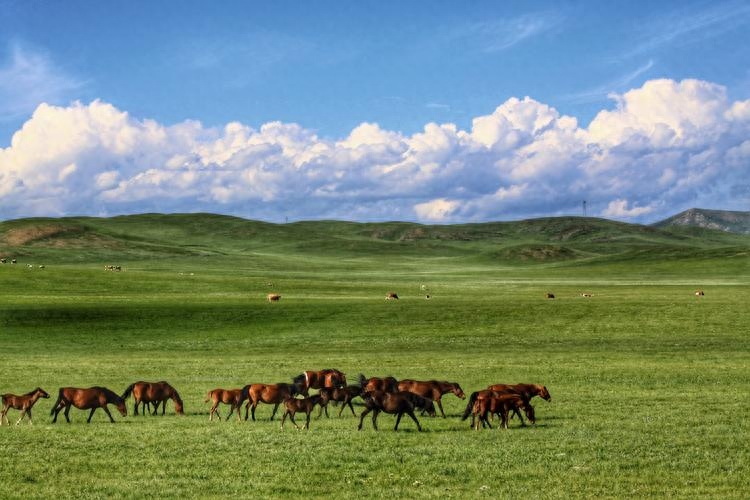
(649, 383)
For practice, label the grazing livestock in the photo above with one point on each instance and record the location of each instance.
(3, 261)
(502, 405)
(273, 297)
(526, 391)
(549, 295)
(153, 392)
(343, 395)
(699, 293)
(232, 397)
(13, 261)
(329, 377)
(432, 390)
(305, 405)
(386, 384)
(85, 399)
(587, 295)
(112, 268)
(396, 403)
(23, 403)
(391, 296)
(273, 394)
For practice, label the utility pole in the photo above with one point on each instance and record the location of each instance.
(584, 208)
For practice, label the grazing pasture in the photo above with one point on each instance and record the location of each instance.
(649, 385)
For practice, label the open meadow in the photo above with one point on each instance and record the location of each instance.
(649, 383)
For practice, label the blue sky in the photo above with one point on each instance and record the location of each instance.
(428, 111)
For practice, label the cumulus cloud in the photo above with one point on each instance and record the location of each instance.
(661, 148)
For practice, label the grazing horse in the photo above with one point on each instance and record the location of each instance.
(502, 405)
(273, 297)
(153, 392)
(432, 390)
(274, 394)
(386, 384)
(391, 296)
(329, 377)
(305, 405)
(699, 293)
(23, 403)
(342, 395)
(549, 295)
(232, 397)
(84, 399)
(396, 403)
(526, 391)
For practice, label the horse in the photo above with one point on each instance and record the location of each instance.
(396, 403)
(502, 405)
(386, 384)
(306, 405)
(526, 391)
(84, 399)
(484, 394)
(342, 395)
(329, 377)
(549, 295)
(391, 296)
(232, 397)
(273, 297)
(699, 293)
(274, 394)
(153, 392)
(23, 403)
(432, 389)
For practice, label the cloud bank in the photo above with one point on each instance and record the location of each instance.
(663, 147)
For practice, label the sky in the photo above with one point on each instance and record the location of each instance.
(427, 111)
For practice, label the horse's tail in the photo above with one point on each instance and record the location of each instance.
(362, 381)
(59, 398)
(470, 405)
(128, 391)
(245, 394)
(208, 396)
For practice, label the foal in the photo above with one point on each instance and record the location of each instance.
(306, 405)
(396, 403)
(23, 403)
(342, 395)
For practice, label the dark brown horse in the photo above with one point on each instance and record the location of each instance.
(385, 384)
(23, 403)
(501, 405)
(232, 397)
(85, 399)
(343, 395)
(274, 394)
(153, 392)
(526, 391)
(305, 405)
(397, 403)
(432, 389)
(330, 377)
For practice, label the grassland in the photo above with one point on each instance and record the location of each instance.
(649, 383)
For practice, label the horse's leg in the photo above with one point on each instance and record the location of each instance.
(362, 418)
(375, 414)
(283, 419)
(91, 415)
(106, 410)
(163, 407)
(440, 405)
(66, 412)
(413, 417)
(231, 410)
(4, 415)
(252, 410)
(247, 407)
(23, 412)
(275, 407)
(291, 417)
(398, 420)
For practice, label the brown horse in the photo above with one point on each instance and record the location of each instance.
(274, 394)
(153, 392)
(85, 399)
(385, 384)
(432, 389)
(23, 403)
(526, 391)
(232, 397)
(502, 405)
(396, 403)
(342, 395)
(305, 405)
(330, 377)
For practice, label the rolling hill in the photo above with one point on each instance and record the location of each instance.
(721, 220)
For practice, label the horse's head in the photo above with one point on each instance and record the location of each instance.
(456, 389)
(120, 403)
(544, 394)
(178, 404)
(41, 393)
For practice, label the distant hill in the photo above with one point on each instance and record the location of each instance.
(554, 239)
(721, 220)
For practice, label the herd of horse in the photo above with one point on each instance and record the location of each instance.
(378, 394)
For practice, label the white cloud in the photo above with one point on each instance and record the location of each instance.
(664, 147)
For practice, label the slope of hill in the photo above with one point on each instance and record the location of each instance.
(721, 220)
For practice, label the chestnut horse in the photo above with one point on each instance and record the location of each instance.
(153, 392)
(385, 384)
(502, 405)
(84, 399)
(330, 377)
(526, 391)
(231, 397)
(432, 389)
(23, 403)
(396, 403)
(274, 394)
(342, 395)
(305, 405)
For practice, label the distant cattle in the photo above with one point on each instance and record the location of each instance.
(699, 293)
(549, 295)
(391, 296)
(273, 297)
